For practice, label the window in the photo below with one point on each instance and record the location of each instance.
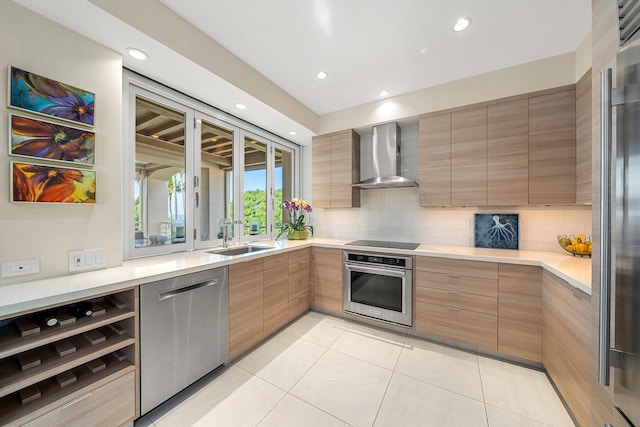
(193, 170)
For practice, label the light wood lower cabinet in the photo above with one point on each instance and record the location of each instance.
(299, 282)
(246, 301)
(520, 311)
(327, 279)
(264, 295)
(457, 300)
(566, 343)
(276, 292)
(109, 405)
(454, 324)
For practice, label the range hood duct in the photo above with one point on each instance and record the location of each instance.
(386, 160)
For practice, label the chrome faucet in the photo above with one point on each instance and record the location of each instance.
(225, 230)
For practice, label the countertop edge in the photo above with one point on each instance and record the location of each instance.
(27, 296)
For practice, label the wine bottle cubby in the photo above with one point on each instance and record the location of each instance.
(58, 357)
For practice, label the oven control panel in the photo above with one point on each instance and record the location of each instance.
(379, 259)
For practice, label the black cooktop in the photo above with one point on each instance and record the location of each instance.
(380, 244)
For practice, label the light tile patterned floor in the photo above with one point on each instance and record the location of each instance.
(325, 371)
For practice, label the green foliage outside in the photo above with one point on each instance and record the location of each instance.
(255, 206)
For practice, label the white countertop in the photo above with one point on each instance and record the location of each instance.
(25, 296)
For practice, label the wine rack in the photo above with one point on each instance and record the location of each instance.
(53, 358)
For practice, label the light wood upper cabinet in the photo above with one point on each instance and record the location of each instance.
(336, 165)
(583, 140)
(515, 151)
(508, 153)
(435, 160)
(321, 171)
(552, 148)
(469, 157)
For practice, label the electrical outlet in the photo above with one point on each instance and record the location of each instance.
(87, 259)
(20, 268)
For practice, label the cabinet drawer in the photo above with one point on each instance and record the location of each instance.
(479, 303)
(113, 404)
(487, 270)
(463, 326)
(458, 283)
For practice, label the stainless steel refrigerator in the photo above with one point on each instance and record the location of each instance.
(620, 226)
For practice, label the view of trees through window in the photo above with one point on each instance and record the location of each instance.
(198, 179)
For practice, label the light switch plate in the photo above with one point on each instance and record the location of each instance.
(87, 259)
(20, 268)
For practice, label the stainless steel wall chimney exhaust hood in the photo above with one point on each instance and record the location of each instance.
(386, 160)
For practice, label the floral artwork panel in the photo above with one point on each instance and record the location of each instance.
(36, 138)
(497, 231)
(34, 183)
(32, 92)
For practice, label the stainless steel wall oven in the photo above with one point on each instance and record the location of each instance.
(379, 286)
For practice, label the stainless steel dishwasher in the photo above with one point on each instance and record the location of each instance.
(184, 332)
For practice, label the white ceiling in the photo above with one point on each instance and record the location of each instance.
(370, 45)
(364, 45)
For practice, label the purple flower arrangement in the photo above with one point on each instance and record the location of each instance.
(297, 209)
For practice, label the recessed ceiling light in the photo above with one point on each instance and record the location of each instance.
(137, 54)
(292, 132)
(321, 75)
(154, 136)
(423, 50)
(384, 92)
(214, 139)
(462, 24)
(241, 106)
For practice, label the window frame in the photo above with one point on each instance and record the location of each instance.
(134, 84)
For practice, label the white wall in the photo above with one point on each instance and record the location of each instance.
(584, 58)
(394, 214)
(533, 76)
(48, 232)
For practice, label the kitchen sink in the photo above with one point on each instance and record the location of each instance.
(239, 250)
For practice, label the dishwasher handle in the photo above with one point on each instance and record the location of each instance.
(175, 292)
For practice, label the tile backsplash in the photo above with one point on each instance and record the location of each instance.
(394, 214)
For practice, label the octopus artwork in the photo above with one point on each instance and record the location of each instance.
(497, 231)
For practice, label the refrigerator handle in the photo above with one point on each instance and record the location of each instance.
(605, 225)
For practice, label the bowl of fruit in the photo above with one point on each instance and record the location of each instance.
(576, 245)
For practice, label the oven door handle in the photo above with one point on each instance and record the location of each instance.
(376, 270)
